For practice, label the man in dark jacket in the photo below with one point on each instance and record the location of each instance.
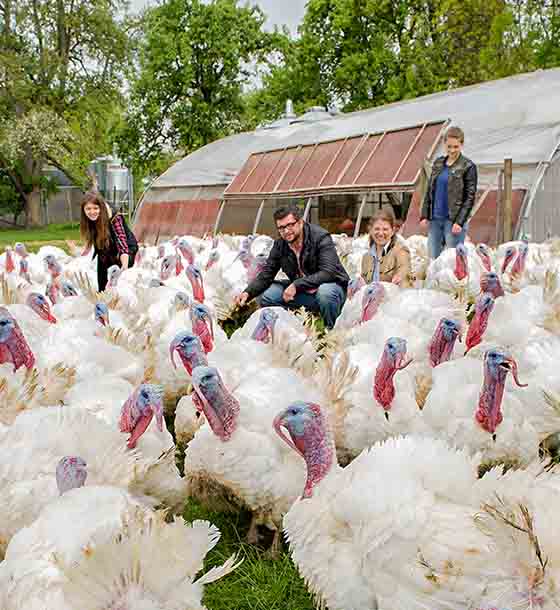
(450, 196)
(307, 255)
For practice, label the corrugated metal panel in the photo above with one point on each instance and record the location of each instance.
(390, 159)
(544, 216)
(482, 227)
(167, 219)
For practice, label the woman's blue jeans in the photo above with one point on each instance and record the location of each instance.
(440, 236)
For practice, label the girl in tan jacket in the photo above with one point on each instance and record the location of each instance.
(388, 259)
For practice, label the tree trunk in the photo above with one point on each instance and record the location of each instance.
(33, 216)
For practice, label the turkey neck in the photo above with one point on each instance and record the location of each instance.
(489, 414)
(384, 388)
(221, 410)
(317, 448)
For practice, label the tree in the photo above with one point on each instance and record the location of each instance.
(61, 64)
(362, 53)
(194, 61)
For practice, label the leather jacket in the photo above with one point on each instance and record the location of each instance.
(319, 262)
(462, 188)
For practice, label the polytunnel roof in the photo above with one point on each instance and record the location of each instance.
(514, 117)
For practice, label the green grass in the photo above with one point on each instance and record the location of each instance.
(258, 583)
(53, 235)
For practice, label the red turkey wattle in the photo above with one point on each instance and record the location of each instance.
(185, 249)
(484, 256)
(483, 308)
(138, 411)
(14, 348)
(371, 300)
(41, 307)
(497, 365)
(190, 350)
(197, 285)
(309, 435)
(443, 341)
(511, 251)
(461, 270)
(10, 266)
(264, 330)
(491, 284)
(203, 326)
(220, 407)
(518, 267)
(178, 264)
(394, 359)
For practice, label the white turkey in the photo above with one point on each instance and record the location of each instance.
(394, 529)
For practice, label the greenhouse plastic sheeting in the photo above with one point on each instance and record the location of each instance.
(170, 218)
(386, 160)
(513, 117)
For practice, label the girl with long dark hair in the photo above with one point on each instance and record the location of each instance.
(106, 231)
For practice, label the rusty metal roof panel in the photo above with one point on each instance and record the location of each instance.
(369, 161)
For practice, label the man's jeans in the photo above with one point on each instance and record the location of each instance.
(440, 236)
(328, 300)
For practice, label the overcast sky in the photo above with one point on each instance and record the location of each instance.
(280, 12)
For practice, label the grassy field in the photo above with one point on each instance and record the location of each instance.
(54, 235)
(258, 583)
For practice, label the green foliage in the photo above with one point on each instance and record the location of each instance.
(363, 53)
(194, 60)
(62, 69)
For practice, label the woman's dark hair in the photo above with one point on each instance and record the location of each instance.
(385, 215)
(286, 211)
(96, 233)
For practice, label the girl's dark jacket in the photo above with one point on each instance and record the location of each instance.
(462, 187)
(121, 241)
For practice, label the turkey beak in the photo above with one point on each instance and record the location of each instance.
(157, 408)
(210, 323)
(279, 428)
(511, 365)
(173, 347)
(402, 361)
(261, 332)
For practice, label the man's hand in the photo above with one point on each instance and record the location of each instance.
(456, 229)
(289, 293)
(424, 223)
(396, 280)
(241, 299)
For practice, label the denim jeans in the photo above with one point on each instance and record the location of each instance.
(328, 300)
(440, 236)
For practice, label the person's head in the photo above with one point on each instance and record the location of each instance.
(289, 223)
(382, 227)
(454, 141)
(94, 220)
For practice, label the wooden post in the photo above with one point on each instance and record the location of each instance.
(508, 196)
(499, 209)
